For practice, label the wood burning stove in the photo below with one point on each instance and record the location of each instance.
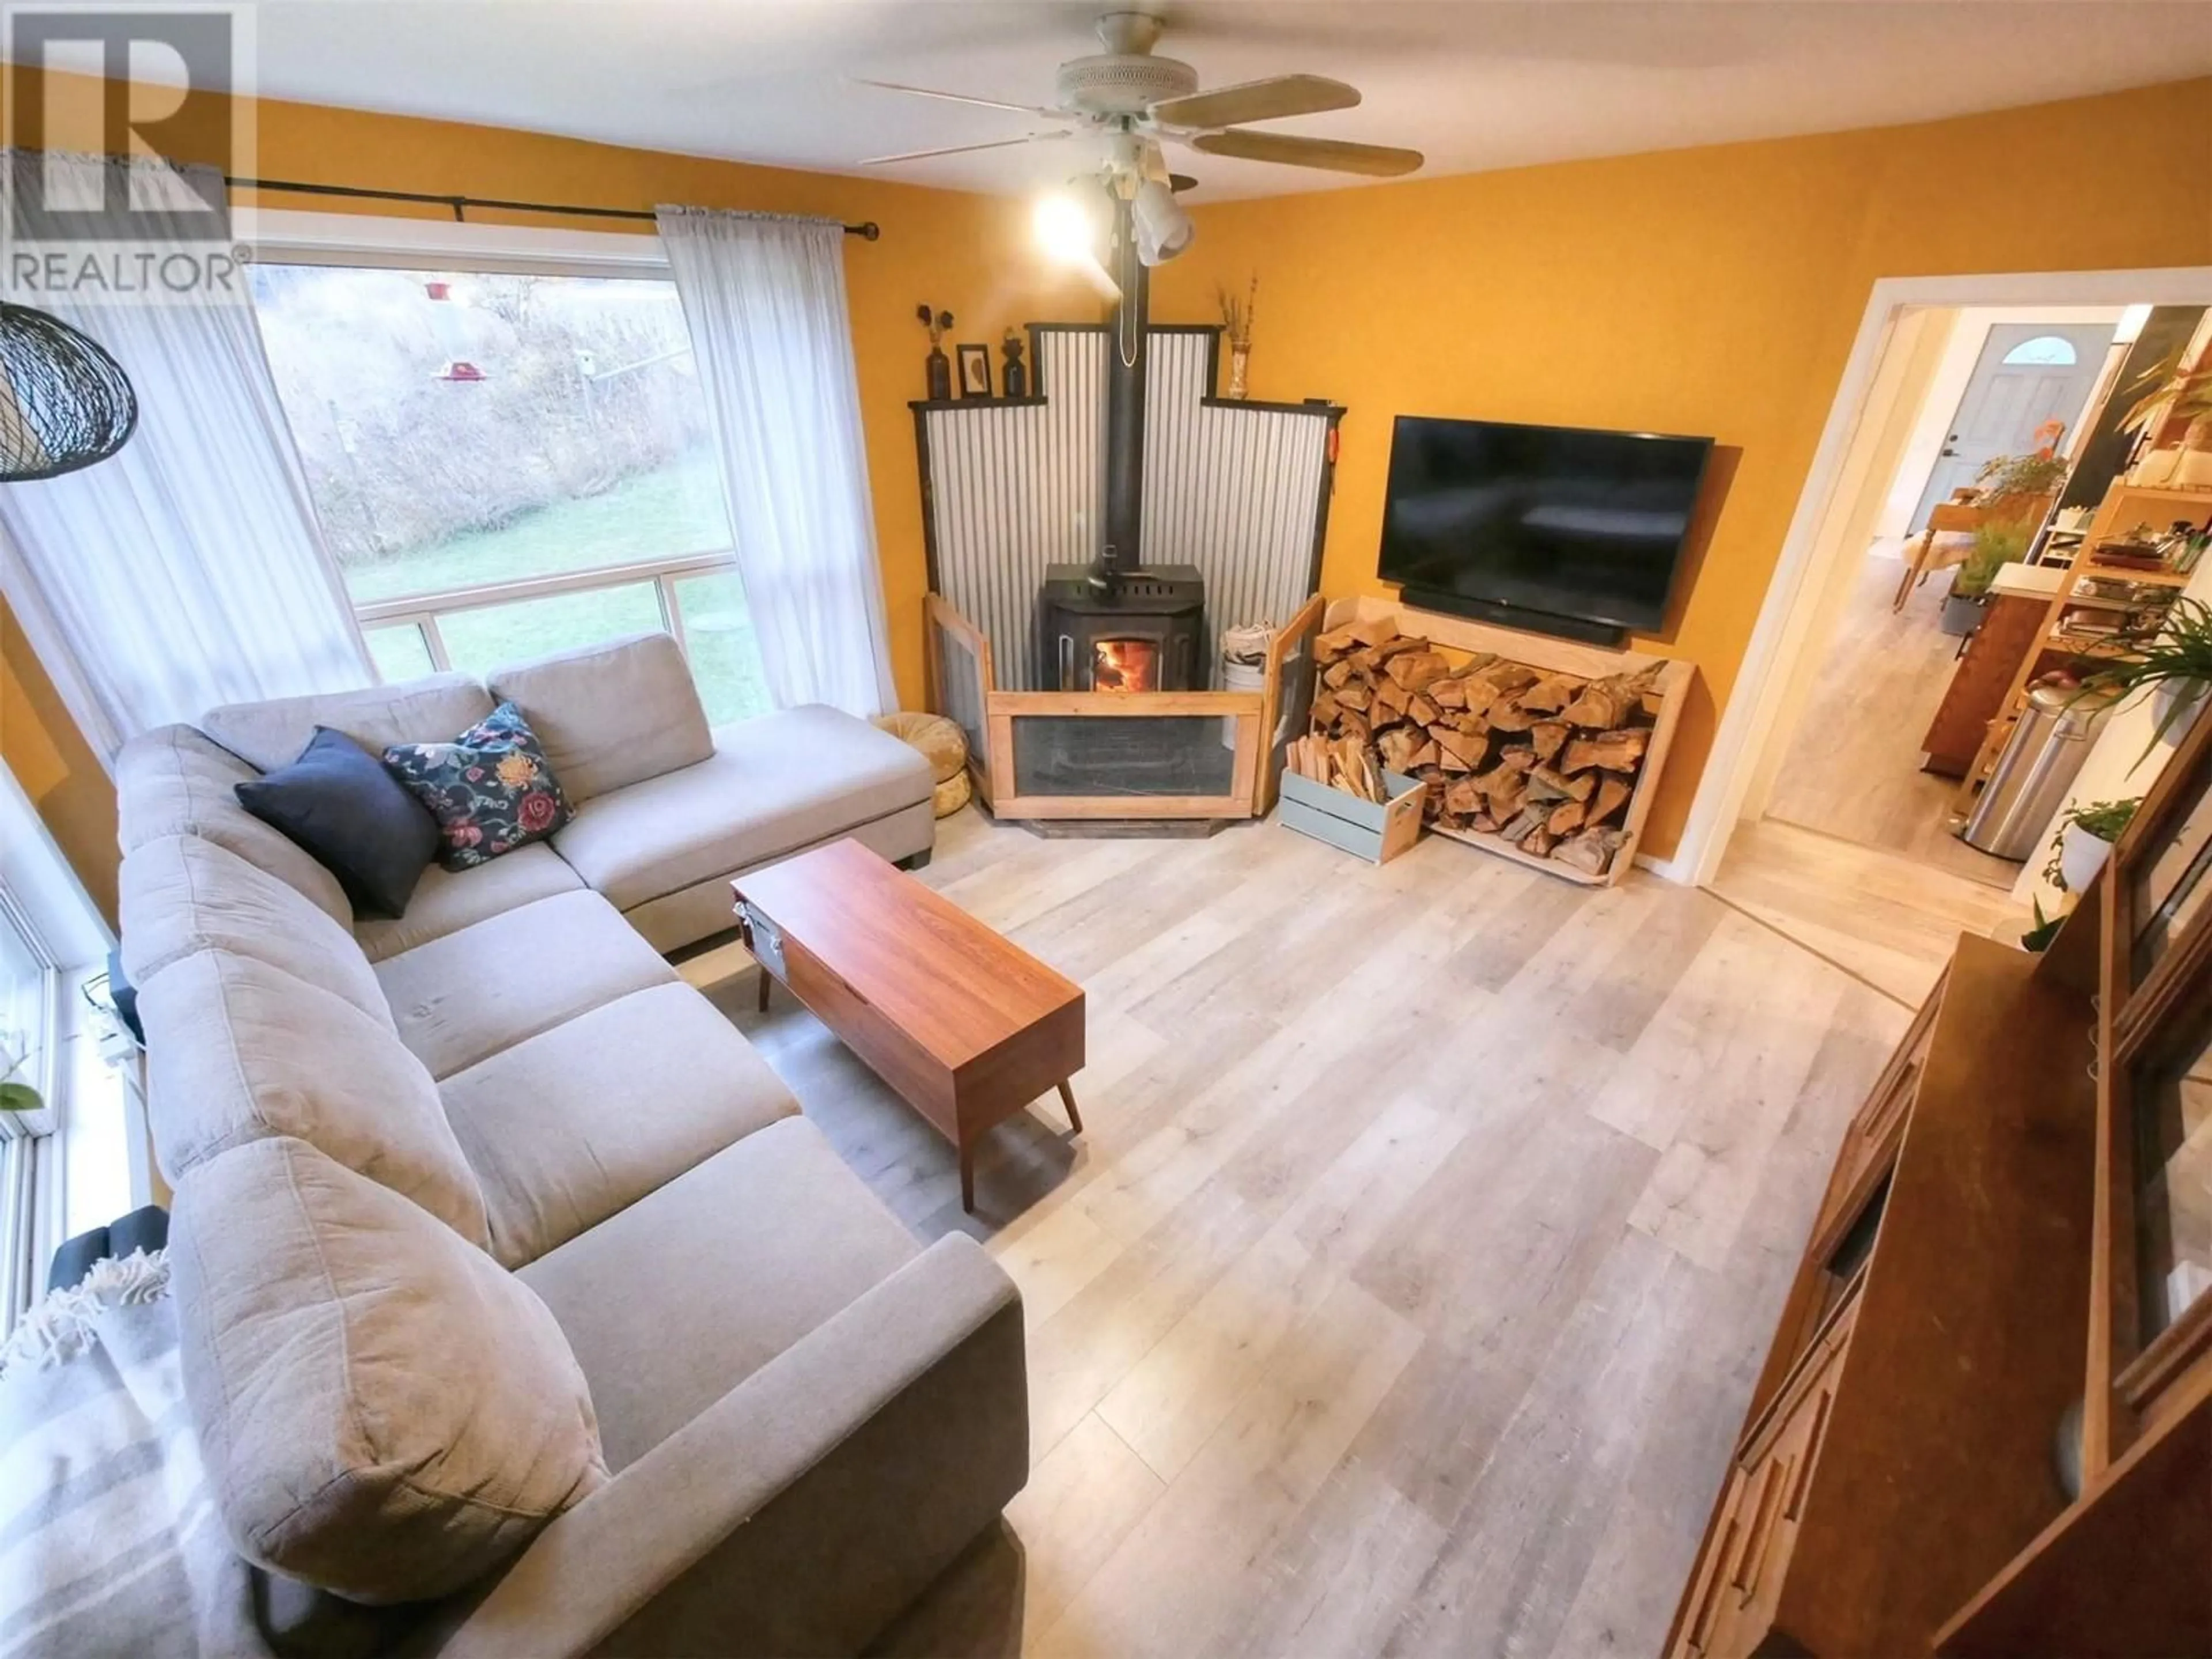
(1110, 629)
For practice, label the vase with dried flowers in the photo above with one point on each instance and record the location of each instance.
(1237, 329)
(2170, 392)
(940, 365)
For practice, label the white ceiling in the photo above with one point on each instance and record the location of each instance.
(1487, 84)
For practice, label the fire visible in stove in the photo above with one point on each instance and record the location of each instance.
(1125, 666)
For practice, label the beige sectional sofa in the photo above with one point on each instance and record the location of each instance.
(522, 1310)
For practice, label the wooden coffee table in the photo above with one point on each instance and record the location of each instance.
(967, 1027)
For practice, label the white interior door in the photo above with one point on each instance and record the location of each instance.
(2027, 373)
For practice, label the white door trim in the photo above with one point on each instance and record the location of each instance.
(1786, 615)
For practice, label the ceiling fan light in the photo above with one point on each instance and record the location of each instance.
(1164, 229)
(1064, 230)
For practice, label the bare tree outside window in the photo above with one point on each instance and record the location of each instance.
(464, 431)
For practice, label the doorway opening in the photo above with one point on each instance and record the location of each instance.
(1970, 448)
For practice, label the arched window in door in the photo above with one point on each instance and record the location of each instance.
(2052, 349)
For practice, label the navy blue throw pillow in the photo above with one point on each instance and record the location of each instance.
(342, 806)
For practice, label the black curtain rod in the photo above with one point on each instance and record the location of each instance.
(868, 232)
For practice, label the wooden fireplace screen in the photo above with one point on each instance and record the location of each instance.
(1120, 754)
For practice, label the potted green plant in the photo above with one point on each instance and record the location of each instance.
(1995, 545)
(2083, 841)
(16, 1097)
(2168, 390)
(2173, 660)
(2013, 486)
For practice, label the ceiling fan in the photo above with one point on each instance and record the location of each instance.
(1138, 102)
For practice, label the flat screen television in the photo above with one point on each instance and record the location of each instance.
(1550, 527)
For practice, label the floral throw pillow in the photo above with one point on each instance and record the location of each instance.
(489, 789)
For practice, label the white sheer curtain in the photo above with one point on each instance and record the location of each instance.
(765, 297)
(188, 570)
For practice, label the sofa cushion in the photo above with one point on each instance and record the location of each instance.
(706, 908)
(341, 805)
(778, 1235)
(446, 900)
(175, 781)
(462, 999)
(180, 895)
(269, 734)
(566, 1127)
(773, 786)
(610, 714)
(238, 1051)
(490, 789)
(386, 1411)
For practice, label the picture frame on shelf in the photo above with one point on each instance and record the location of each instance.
(975, 370)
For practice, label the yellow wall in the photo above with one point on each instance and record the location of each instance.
(1711, 291)
(51, 760)
(967, 253)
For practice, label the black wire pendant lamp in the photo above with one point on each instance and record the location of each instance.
(64, 403)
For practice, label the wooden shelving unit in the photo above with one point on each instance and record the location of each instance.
(2124, 503)
(1461, 638)
(2020, 1218)
(1896, 1452)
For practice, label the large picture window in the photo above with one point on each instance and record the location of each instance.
(509, 464)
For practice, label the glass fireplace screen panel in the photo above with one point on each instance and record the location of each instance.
(962, 689)
(1134, 755)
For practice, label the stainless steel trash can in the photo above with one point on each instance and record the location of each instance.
(2037, 767)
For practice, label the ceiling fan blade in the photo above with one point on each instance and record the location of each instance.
(962, 149)
(953, 97)
(1334, 155)
(1270, 99)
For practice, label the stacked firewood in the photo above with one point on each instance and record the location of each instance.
(1546, 762)
(1339, 763)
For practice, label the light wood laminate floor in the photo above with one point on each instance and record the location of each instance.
(1405, 1294)
(1852, 769)
(1889, 919)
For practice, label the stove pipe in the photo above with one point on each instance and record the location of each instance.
(1125, 402)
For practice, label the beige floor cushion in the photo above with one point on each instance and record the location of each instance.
(175, 781)
(180, 895)
(569, 1127)
(774, 785)
(610, 714)
(432, 710)
(943, 745)
(238, 1051)
(781, 1236)
(386, 1411)
(464, 997)
(446, 900)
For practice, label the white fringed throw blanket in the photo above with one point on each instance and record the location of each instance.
(109, 1541)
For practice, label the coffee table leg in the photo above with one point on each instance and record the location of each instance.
(1067, 1099)
(968, 1177)
(764, 976)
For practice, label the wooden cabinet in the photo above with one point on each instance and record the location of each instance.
(1733, 1599)
(1896, 1453)
(2010, 628)
(2018, 1225)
